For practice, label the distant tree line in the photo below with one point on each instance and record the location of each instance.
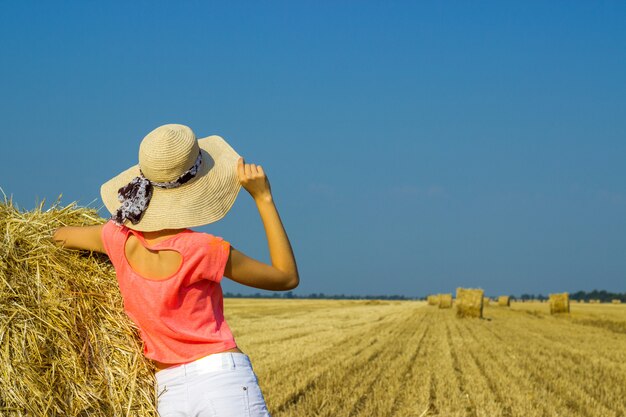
(602, 295)
(321, 295)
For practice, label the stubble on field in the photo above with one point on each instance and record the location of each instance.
(403, 358)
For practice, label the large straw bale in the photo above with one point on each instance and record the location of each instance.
(504, 301)
(433, 300)
(616, 301)
(469, 302)
(66, 346)
(559, 303)
(445, 300)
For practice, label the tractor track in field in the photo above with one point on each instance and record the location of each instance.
(313, 380)
(563, 344)
(377, 363)
(432, 395)
(338, 343)
(506, 411)
(410, 372)
(458, 374)
(502, 360)
(298, 395)
(534, 357)
(354, 411)
(291, 337)
(571, 356)
(602, 324)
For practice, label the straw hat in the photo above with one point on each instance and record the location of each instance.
(165, 154)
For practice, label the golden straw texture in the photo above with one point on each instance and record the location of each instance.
(66, 345)
(445, 300)
(433, 300)
(469, 302)
(504, 301)
(559, 303)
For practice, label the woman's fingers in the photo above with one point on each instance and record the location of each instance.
(240, 168)
(253, 179)
(250, 174)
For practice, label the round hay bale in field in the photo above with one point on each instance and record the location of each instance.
(469, 302)
(504, 301)
(433, 300)
(66, 346)
(445, 300)
(559, 303)
(616, 301)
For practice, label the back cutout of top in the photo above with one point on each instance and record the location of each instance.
(156, 265)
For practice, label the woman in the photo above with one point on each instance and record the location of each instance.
(169, 276)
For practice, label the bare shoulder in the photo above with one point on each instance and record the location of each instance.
(80, 237)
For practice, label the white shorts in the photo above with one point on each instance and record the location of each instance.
(218, 385)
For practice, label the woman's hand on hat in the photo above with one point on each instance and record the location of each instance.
(254, 180)
(282, 273)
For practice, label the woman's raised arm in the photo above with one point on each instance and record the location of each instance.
(282, 274)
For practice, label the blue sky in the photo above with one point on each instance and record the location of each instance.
(412, 147)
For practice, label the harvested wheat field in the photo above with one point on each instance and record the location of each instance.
(351, 358)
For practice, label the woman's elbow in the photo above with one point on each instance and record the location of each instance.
(291, 282)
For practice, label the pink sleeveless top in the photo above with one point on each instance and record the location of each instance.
(180, 318)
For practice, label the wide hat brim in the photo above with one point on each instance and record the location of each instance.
(203, 200)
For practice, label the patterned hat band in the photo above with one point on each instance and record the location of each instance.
(136, 195)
